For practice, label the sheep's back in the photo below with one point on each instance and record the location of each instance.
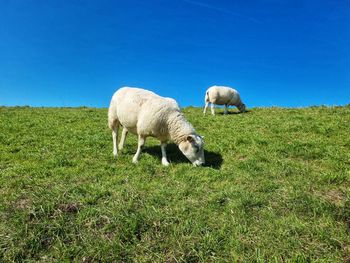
(142, 111)
(220, 95)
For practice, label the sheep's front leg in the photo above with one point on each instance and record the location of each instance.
(225, 110)
(205, 107)
(164, 159)
(122, 139)
(212, 109)
(141, 143)
(115, 138)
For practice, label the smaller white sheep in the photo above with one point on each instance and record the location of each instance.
(145, 113)
(221, 95)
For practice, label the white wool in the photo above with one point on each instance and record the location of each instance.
(145, 113)
(221, 95)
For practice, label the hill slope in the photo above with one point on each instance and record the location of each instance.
(276, 188)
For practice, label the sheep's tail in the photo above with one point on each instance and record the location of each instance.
(206, 99)
(110, 118)
(112, 115)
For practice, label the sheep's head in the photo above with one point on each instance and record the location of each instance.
(241, 107)
(193, 148)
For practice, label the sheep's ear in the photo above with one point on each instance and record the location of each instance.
(189, 138)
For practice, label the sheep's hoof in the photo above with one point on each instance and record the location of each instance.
(165, 162)
(135, 160)
(115, 154)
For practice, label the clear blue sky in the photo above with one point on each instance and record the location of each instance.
(73, 53)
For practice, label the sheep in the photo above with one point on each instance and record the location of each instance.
(222, 95)
(144, 114)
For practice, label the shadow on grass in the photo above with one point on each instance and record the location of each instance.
(212, 159)
(233, 112)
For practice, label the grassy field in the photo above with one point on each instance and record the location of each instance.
(276, 188)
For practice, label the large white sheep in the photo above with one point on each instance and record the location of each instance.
(222, 95)
(144, 113)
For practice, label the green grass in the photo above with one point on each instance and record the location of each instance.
(276, 189)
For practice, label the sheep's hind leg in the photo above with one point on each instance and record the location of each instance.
(115, 138)
(212, 109)
(122, 139)
(164, 159)
(205, 107)
(141, 143)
